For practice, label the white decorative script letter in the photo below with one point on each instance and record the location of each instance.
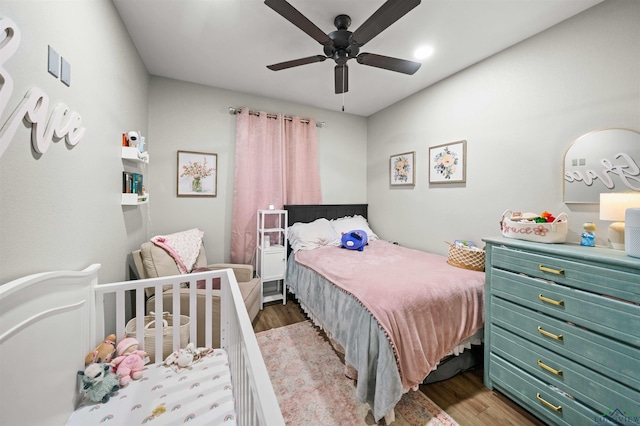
(62, 123)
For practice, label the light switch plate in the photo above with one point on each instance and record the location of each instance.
(54, 62)
(66, 72)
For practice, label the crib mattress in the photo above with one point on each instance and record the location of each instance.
(201, 394)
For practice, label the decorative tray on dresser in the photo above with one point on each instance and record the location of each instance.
(562, 330)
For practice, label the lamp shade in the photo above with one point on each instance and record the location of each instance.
(614, 204)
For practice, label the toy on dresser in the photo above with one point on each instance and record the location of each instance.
(588, 236)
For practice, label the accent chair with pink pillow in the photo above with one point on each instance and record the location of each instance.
(152, 261)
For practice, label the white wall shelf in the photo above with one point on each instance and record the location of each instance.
(132, 154)
(134, 199)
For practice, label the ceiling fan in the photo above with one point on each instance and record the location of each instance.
(342, 45)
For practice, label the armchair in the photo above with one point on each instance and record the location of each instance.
(152, 261)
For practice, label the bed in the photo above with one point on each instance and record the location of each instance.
(50, 321)
(395, 312)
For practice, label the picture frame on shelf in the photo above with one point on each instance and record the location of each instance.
(197, 174)
(448, 163)
(402, 169)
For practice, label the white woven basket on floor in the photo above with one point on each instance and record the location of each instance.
(167, 333)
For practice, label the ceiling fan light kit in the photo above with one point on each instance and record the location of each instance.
(343, 45)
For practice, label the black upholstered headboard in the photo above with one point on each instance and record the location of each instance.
(306, 213)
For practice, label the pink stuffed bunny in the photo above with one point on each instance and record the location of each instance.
(130, 361)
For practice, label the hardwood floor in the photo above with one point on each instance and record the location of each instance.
(464, 397)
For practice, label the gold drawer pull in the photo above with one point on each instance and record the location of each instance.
(551, 370)
(551, 271)
(548, 404)
(553, 302)
(546, 333)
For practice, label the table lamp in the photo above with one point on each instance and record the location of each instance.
(612, 207)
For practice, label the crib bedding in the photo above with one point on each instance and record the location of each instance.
(200, 394)
(396, 311)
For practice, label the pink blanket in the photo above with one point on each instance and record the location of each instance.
(425, 305)
(184, 247)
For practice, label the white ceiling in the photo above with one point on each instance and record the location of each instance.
(229, 43)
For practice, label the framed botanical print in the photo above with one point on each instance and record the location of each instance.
(402, 169)
(197, 174)
(448, 163)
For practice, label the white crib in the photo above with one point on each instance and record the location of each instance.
(50, 321)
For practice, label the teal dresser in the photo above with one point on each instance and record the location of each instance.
(562, 331)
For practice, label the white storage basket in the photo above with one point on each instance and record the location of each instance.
(550, 232)
(167, 333)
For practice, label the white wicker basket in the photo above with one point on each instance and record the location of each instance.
(550, 232)
(167, 333)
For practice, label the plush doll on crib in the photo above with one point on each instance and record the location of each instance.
(184, 358)
(355, 240)
(130, 361)
(103, 352)
(98, 382)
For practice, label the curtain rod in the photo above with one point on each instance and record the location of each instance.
(234, 111)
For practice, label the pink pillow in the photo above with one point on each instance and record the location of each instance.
(201, 283)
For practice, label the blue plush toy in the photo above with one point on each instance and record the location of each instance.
(355, 240)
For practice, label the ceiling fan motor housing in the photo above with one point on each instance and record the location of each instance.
(342, 49)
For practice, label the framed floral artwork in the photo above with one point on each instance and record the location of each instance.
(197, 174)
(402, 169)
(448, 163)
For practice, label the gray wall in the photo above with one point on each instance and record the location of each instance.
(191, 117)
(62, 210)
(519, 111)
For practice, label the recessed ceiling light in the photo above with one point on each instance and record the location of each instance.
(423, 52)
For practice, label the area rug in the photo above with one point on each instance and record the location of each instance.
(310, 383)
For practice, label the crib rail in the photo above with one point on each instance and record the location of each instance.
(255, 401)
(108, 295)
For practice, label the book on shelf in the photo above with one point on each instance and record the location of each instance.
(137, 183)
(132, 183)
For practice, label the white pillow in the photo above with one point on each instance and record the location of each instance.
(307, 236)
(351, 223)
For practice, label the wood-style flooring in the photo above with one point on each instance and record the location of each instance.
(464, 397)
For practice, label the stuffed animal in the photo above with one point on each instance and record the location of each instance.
(355, 240)
(98, 382)
(184, 358)
(103, 353)
(130, 361)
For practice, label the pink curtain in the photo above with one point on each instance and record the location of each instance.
(276, 163)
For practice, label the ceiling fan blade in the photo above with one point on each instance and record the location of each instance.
(292, 15)
(382, 18)
(296, 62)
(388, 63)
(342, 78)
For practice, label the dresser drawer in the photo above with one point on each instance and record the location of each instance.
(611, 358)
(611, 317)
(586, 385)
(543, 400)
(587, 275)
